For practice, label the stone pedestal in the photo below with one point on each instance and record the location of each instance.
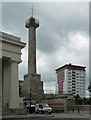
(33, 82)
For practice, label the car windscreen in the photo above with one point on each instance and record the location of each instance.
(45, 105)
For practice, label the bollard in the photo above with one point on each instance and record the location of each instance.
(73, 110)
(78, 110)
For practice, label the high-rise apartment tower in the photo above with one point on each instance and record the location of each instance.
(71, 79)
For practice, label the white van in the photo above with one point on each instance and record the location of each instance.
(43, 108)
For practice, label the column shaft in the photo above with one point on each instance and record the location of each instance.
(0, 86)
(32, 51)
(14, 87)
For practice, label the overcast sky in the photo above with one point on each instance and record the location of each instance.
(62, 37)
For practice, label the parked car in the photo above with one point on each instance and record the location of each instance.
(30, 109)
(43, 108)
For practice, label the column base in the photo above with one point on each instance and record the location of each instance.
(14, 111)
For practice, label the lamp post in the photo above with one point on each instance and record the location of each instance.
(30, 100)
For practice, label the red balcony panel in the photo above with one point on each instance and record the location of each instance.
(73, 72)
(73, 90)
(73, 87)
(73, 80)
(73, 75)
(73, 84)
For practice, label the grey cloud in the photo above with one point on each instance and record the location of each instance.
(69, 18)
(13, 18)
(57, 20)
(66, 16)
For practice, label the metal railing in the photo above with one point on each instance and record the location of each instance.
(35, 20)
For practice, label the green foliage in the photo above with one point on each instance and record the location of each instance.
(82, 101)
(90, 100)
(78, 100)
(89, 88)
(86, 101)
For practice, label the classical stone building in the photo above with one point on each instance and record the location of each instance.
(32, 80)
(11, 56)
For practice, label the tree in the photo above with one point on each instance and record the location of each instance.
(90, 101)
(89, 88)
(86, 101)
(81, 101)
(78, 100)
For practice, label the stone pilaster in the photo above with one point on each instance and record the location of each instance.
(14, 87)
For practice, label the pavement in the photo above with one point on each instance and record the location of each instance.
(53, 116)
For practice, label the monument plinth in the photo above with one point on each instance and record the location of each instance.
(32, 80)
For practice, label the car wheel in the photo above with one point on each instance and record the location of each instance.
(37, 112)
(49, 112)
(42, 112)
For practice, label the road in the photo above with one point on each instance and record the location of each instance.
(53, 116)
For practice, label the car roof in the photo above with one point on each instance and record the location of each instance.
(29, 105)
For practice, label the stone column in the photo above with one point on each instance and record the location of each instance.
(32, 24)
(0, 86)
(14, 87)
(32, 51)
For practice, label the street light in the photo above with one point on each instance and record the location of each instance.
(30, 99)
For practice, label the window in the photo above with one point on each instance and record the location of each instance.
(69, 81)
(69, 72)
(77, 76)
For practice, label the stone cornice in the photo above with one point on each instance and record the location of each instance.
(11, 39)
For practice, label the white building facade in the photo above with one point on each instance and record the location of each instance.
(11, 57)
(71, 80)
